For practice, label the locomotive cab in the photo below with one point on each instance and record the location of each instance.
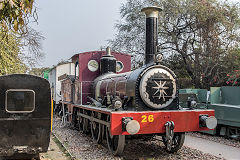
(25, 116)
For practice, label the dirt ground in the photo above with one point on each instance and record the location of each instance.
(54, 152)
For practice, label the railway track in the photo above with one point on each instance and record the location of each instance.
(63, 147)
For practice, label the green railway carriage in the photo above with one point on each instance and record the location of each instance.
(225, 101)
(45, 74)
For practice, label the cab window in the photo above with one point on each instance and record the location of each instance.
(19, 101)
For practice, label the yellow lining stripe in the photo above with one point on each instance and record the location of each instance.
(51, 113)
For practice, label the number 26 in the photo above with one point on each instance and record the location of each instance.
(146, 118)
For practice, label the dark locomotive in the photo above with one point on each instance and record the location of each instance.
(25, 116)
(141, 102)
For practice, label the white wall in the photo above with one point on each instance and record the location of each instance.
(52, 81)
(68, 69)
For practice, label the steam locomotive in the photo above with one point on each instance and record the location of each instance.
(110, 101)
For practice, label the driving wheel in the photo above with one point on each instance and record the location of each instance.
(115, 143)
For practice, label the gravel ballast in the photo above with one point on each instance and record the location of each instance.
(81, 146)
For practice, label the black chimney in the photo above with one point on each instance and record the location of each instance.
(108, 62)
(151, 33)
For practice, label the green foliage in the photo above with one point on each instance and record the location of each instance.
(233, 76)
(14, 14)
(10, 56)
(175, 62)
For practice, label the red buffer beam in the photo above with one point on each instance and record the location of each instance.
(154, 122)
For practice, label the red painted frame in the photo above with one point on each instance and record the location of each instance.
(185, 121)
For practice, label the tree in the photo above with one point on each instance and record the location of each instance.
(32, 43)
(10, 56)
(176, 63)
(15, 14)
(38, 71)
(131, 35)
(202, 33)
(233, 76)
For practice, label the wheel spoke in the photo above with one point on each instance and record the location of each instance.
(80, 120)
(80, 124)
(96, 129)
(86, 126)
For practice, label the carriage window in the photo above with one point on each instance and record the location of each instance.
(18, 101)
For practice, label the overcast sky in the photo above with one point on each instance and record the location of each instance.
(75, 26)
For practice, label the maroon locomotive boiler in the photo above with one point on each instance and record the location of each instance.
(110, 101)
